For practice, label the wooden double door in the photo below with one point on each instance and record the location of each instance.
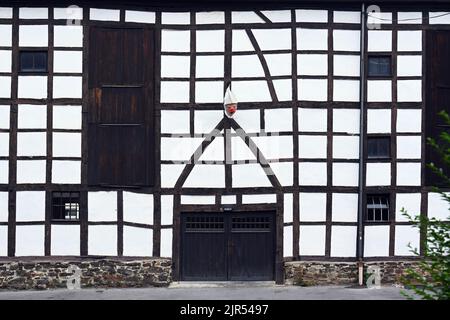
(228, 246)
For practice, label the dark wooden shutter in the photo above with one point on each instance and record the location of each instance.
(438, 97)
(120, 107)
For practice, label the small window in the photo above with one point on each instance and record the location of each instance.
(33, 61)
(377, 208)
(379, 66)
(66, 206)
(378, 147)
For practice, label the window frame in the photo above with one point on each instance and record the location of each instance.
(380, 76)
(386, 196)
(33, 72)
(377, 158)
(73, 195)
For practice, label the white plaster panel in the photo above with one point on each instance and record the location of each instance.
(176, 18)
(32, 87)
(379, 40)
(346, 147)
(408, 201)
(68, 61)
(240, 151)
(409, 120)
(251, 91)
(4, 117)
(166, 209)
(138, 207)
(312, 173)
(209, 66)
(312, 120)
(5, 35)
(5, 60)
(377, 18)
(241, 41)
(166, 243)
(170, 174)
(312, 39)
(67, 87)
(104, 14)
(211, 17)
(198, 199)
(69, 13)
(228, 200)
(5, 87)
(245, 17)
(3, 241)
(284, 172)
(246, 66)
(4, 171)
(288, 207)
(4, 144)
(312, 240)
(275, 147)
(6, 13)
(278, 120)
(137, 242)
(139, 16)
(312, 89)
(33, 35)
(409, 147)
(273, 39)
(259, 198)
(344, 207)
(346, 40)
(66, 117)
(249, 175)
(409, 41)
(96, 240)
(4, 206)
(30, 241)
(279, 64)
(378, 121)
(437, 206)
(409, 66)
(102, 206)
(347, 17)
(346, 120)
(33, 13)
(376, 241)
(312, 64)
(343, 241)
(200, 176)
(346, 65)
(378, 174)
(410, 18)
(206, 120)
(210, 41)
(312, 147)
(66, 171)
(345, 174)
(278, 15)
(408, 174)
(209, 91)
(174, 91)
(180, 149)
(30, 206)
(31, 144)
(174, 121)
(405, 235)
(283, 89)
(68, 36)
(312, 206)
(31, 171)
(287, 242)
(175, 41)
(65, 240)
(248, 120)
(439, 17)
(379, 90)
(66, 144)
(346, 90)
(32, 116)
(317, 16)
(215, 151)
(409, 90)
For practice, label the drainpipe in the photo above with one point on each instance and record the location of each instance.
(360, 233)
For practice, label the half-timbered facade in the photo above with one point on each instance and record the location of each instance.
(114, 141)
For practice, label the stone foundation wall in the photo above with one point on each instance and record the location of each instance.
(312, 273)
(94, 273)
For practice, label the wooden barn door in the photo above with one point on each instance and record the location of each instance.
(120, 107)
